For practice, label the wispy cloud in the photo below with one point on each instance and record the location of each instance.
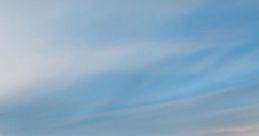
(146, 68)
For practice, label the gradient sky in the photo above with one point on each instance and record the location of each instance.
(129, 68)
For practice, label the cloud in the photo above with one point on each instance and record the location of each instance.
(211, 114)
(128, 68)
(25, 68)
(32, 53)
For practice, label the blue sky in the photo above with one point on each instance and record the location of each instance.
(129, 68)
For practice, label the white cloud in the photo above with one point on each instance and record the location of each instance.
(31, 55)
(25, 38)
(27, 67)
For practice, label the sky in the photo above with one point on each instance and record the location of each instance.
(129, 68)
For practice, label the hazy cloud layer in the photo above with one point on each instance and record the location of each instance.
(129, 68)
